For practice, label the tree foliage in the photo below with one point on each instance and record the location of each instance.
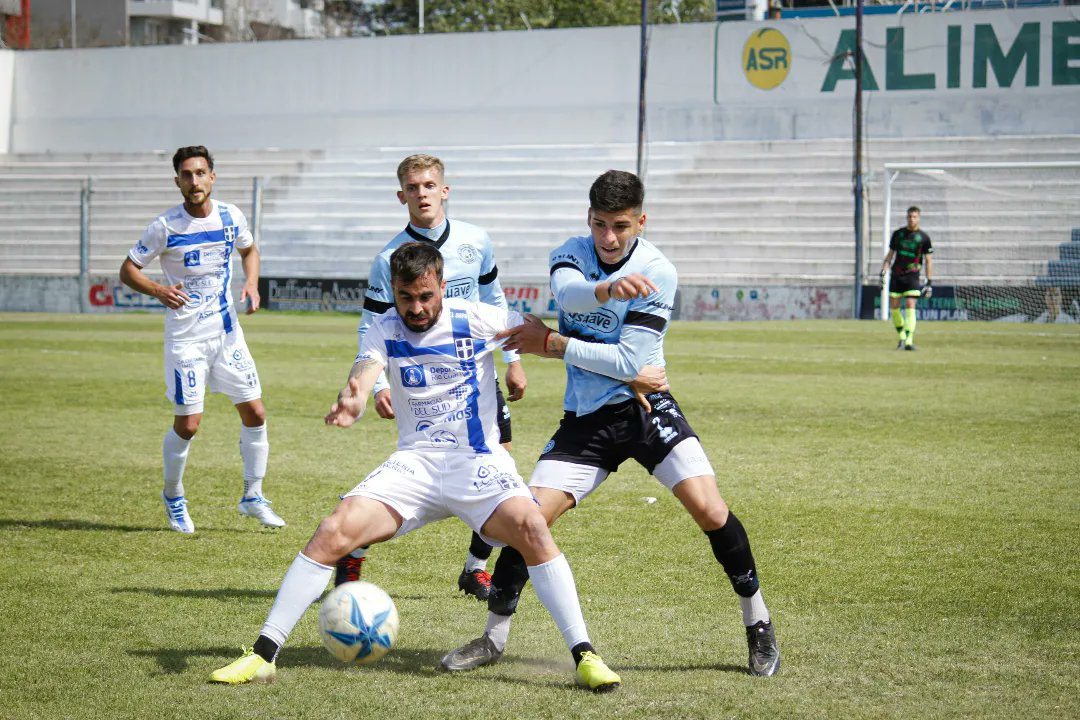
(364, 17)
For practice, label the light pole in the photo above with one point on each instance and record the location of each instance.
(74, 43)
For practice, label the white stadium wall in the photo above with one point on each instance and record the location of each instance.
(972, 73)
(7, 88)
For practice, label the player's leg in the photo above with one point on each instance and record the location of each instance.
(185, 385)
(474, 578)
(511, 569)
(233, 372)
(910, 299)
(356, 520)
(897, 318)
(517, 523)
(671, 451)
(731, 548)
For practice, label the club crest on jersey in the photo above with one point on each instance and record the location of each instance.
(230, 233)
(468, 254)
(413, 376)
(465, 349)
(192, 258)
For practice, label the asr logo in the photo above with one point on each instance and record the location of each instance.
(766, 58)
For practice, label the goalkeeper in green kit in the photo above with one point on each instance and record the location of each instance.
(908, 248)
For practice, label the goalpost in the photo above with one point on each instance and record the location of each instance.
(1006, 237)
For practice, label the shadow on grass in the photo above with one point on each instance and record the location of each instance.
(77, 525)
(413, 662)
(217, 594)
(719, 667)
(62, 524)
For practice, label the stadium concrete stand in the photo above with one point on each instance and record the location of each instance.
(727, 213)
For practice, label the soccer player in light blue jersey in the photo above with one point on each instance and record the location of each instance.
(436, 352)
(204, 344)
(471, 274)
(616, 292)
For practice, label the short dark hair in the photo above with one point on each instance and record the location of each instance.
(617, 190)
(914, 208)
(186, 153)
(415, 259)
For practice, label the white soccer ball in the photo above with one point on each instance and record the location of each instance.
(358, 622)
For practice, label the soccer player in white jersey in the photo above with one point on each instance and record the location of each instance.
(437, 357)
(615, 292)
(471, 273)
(204, 345)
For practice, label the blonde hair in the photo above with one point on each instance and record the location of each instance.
(416, 163)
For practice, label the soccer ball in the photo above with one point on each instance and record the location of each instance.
(358, 622)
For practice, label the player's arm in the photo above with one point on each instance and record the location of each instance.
(171, 296)
(574, 293)
(928, 288)
(887, 262)
(249, 259)
(491, 293)
(352, 400)
(377, 300)
(622, 360)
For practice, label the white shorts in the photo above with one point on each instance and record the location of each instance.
(424, 487)
(224, 361)
(686, 460)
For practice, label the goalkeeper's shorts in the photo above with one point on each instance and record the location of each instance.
(905, 285)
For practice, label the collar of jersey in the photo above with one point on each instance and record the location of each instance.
(608, 269)
(415, 235)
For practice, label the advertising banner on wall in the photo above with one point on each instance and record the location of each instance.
(312, 294)
(764, 303)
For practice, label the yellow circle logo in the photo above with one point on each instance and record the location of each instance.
(766, 58)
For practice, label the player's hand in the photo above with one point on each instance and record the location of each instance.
(515, 381)
(928, 290)
(251, 294)
(383, 406)
(883, 275)
(173, 296)
(348, 407)
(651, 379)
(529, 337)
(631, 286)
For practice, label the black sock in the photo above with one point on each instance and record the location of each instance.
(507, 582)
(266, 648)
(731, 547)
(479, 548)
(577, 650)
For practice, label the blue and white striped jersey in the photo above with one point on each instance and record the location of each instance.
(469, 270)
(196, 252)
(442, 381)
(609, 343)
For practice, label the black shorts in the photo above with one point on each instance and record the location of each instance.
(502, 413)
(908, 282)
(614, 433)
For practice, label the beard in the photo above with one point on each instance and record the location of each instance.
(419, 325)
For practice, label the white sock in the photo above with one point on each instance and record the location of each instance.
(174, 451)
(303, 584)
(753, 609)
(254, 449)
(553, 582)
(473, 563)
(498, 630)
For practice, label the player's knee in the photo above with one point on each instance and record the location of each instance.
(186, 425)
(330, 542)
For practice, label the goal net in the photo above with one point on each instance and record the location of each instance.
(1006, 238)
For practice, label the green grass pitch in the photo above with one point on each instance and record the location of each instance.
(915, 518)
